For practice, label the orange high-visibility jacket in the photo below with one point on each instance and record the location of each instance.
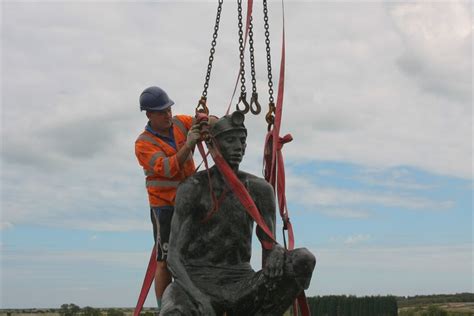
(160, 164)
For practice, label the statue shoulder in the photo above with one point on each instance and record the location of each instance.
(256, 183)
(198, 178)
(193, 184)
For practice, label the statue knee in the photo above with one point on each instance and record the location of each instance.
(170, 308)
(175, 302)
(302, 263)
(171, 312)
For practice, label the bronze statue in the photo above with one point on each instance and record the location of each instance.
(209, 251)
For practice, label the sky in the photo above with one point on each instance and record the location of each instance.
(378, 99)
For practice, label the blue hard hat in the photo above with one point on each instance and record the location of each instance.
(154, 99)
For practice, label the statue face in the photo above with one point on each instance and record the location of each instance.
(232, 146)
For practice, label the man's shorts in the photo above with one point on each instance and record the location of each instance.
(161, 220)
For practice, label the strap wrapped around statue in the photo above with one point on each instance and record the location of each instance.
(210, 261)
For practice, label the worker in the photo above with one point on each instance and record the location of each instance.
(164, 150)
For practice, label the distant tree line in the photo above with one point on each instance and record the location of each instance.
(74, 310)
(334, 305)
(342, 305)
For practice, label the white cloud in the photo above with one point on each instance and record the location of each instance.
(439, 45)
(346, 100)
(363, 270)
(351, 269)
(111, 225)
(356, 239)
(345, 203)
(121, 258)
(357, 105)
(398, 179)
(351, 102)
(113, 278)
(5, 225)
(345, 212)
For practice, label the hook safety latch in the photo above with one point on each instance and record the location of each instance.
(202, 106)
(254, 100)
(243, 99)
(269, 117)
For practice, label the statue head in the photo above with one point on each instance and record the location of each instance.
(231, 135)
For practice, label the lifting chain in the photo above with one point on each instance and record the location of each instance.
(270, 117)
(254, 99)
(202, 104)
(243, 93)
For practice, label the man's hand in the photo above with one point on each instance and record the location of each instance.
(194, 135)
(212, 119)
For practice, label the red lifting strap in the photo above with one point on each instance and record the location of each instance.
(149, 277)
(242, 194)
(215, 202)
(274, 166)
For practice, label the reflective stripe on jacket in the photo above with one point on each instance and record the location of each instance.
(160, 164)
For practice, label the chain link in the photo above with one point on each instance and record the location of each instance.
(213, 48)
(255, 107)
(241, 47)
(252, 58)
(269, 59)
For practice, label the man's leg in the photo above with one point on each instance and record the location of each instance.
(162, 280)
(161, 218)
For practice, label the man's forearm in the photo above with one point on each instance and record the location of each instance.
(183, 154)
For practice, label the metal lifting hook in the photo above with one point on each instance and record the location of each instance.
(254, 100)
(202, 106)
(269, 117)
(202, 112)
(243, 99)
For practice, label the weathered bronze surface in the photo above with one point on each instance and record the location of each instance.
(210, 251)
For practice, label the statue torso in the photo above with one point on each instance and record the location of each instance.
(225, 238)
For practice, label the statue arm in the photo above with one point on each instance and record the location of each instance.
(273, 259)
(182, 226)
(265, 200)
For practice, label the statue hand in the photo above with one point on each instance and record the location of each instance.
(204, 306)
(275, 262)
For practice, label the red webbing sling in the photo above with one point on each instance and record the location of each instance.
(237, 187)
(149, 277)
(274, 165)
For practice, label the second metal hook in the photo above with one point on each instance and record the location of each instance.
(254, 100)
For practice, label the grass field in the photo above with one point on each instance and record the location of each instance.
(453, 309)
